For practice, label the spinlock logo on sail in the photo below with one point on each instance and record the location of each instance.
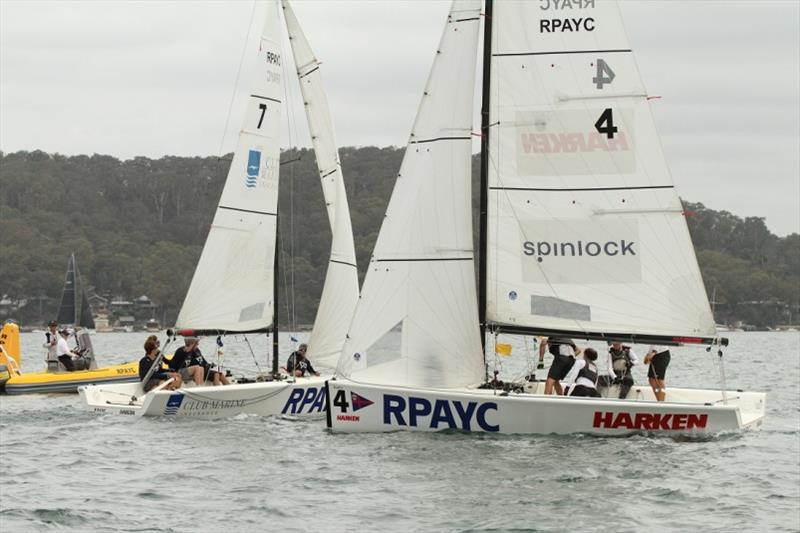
(612, 248)
(304, 401)
(438, 414)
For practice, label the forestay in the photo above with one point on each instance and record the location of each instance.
(232, 286)
(421, 275)
(585, 230)
(340, 292)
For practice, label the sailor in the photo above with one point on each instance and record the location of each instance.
(658, 358)
(564, 352)
(621, 359)
(584, 375)
(297, 364)
(64, 355)
(184, 362)
(51, 341)
(151, 351)
(542, 349)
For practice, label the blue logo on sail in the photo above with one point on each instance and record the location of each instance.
(173, 404)
(253, 168)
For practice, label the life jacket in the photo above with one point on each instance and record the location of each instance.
(620, 360)
(589, 371)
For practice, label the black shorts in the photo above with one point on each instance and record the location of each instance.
(658, 365)
(582, 390)
(561, 366)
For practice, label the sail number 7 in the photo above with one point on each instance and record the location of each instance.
(605, 124)
(263, 108)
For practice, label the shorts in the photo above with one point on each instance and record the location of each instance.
(561, 366)
(583, 390)
(185, 375)
(658, 365)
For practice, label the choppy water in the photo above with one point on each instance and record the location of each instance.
(65, 469)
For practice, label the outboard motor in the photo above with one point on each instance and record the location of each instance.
(86, 350)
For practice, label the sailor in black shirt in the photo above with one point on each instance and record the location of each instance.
(298, 365)
(190, 365)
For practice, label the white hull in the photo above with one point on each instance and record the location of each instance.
(356, 407)
(303, 398)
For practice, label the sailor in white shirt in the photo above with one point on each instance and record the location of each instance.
(51, 340)
(63, 352)
(584, 375)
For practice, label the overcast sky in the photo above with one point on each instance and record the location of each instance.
(152, 78)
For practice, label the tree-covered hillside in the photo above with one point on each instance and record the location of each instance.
(137, 228)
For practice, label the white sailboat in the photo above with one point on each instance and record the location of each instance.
(582, 236)
(234, 288)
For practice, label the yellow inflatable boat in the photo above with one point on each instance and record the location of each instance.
(14, 381)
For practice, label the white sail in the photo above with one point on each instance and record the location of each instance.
(340, 292)
(585, 230)
(232, 286)
(421, 274)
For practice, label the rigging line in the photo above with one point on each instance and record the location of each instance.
(236, 81)
(255, 359)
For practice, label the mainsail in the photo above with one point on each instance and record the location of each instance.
(232, 287)
(421, 275)
(586, 233)
(340, 292)
(74, 308)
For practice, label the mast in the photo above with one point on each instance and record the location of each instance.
(275, 298)
(484, 199)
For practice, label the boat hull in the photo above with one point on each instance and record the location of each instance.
(356, 407)
(303, 399)
(45, 382)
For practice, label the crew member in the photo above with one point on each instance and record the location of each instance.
(297, 364)
(658, 358)
(564, 352)
(584, 375)
(621, 359)
(51, 341)
(185, 364)
(158, 377)
(64, 355)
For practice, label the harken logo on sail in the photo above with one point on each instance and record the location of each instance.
(566, 143)
(253, 168)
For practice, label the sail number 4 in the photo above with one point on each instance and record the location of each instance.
(605, 124)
